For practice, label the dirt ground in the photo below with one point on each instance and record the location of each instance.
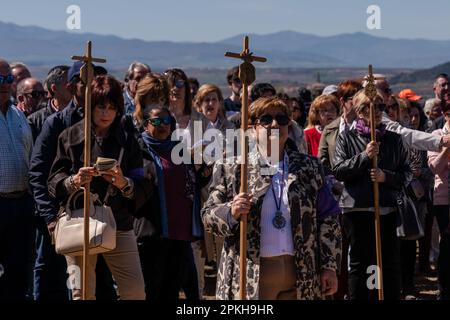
(426, 286)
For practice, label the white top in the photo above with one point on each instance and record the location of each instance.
(276, 242)
(343, 126)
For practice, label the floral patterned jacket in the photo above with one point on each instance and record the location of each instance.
(317, 242)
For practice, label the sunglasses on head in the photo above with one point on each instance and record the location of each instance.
(267, 119)
(180, 83)
(6, 79)
(158, 121)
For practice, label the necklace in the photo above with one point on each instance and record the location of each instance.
(278, 220)
(98, 140)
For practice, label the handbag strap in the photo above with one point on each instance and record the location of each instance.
(109, 190)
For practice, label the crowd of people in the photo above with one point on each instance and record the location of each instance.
(310, 214)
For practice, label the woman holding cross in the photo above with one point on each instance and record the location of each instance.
(353, 164)
(293, 238)
(124, 184)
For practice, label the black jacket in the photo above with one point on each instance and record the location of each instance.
(69, 160)
(44, 152)
(36, 119)
(352, 166)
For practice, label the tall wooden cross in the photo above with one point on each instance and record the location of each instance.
(247, 76)
(87, 75)
(370, 91)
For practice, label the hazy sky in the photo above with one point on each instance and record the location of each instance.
(213, 20)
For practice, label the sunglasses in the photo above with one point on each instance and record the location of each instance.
(35, 94)
(158, 121)
(267, 119)
(6, 79)
(180, 83)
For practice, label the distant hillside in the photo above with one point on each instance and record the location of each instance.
(40, 47)
(421, 75)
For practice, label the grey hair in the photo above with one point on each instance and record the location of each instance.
(136, 64)
(18, 64)
(56, 76)
(429, 104)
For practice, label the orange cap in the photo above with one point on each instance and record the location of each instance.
(409, 94)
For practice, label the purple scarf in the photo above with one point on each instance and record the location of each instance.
(364, 130)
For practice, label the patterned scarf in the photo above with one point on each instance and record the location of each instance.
(364, 130)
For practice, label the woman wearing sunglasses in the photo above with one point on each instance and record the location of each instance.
(293, 238)
(180, 105)
(174, 211)
(352, 165)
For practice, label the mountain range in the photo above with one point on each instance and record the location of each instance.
(37, 46)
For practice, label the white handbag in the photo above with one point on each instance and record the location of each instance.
(69, 228)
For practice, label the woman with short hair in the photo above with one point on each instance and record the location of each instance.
(324, 109)
(124, 184)
(293, 236)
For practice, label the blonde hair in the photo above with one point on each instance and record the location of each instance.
(203, 91)
(154, 85)
(319, 103)
(360, 100)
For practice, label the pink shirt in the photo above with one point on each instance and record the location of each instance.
(438, 163)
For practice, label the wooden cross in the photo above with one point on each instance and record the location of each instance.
(371, 92)
(247, 75)
(87, 76)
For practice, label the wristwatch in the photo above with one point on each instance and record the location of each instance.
(128, 189)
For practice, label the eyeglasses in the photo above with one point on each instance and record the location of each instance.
(6, 79)
(387, 90)
(267, 119)
(158, 121)
(236, 80)
(36, 94)
(180, 83)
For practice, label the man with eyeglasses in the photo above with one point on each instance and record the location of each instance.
(30, 94)
(136, 71)
(412, 138)
(16, 202)
(58, 89)
(20, 71)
